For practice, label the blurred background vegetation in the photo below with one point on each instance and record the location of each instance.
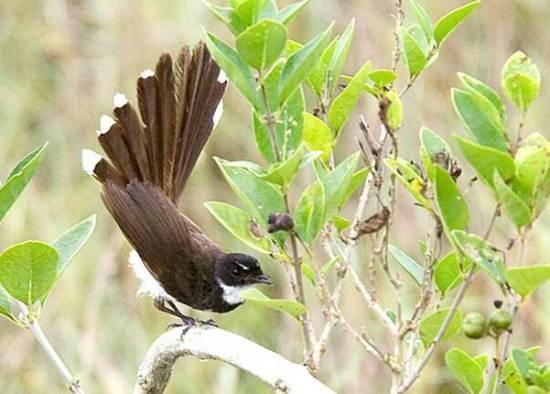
(61, 61)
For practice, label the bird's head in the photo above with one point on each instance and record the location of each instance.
(239, 270)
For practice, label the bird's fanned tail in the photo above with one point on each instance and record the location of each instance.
(178, 104)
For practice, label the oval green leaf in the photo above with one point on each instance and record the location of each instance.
(449, 22)
(19, 178)
(28, 270)
(414, 55)
(301, 63)
(487, 160)
(514, 206)
(465, 369)
(317, 135)
(452, 206)
(524, 280)
(234, 66)
(410, 266)
(343, 105)
(480, 117)
(256, 297)
(521, 80)
(261, 44)
(239, 223)
(431, 324)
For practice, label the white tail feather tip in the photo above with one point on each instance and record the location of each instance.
(89, 161)
(120, 100)
(218, 114)
(222, 77)
(105, 124)
(147, 74)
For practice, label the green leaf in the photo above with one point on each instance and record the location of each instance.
(357, 180)
(514, 206)
(430, 325)
(68, 244)
(287, 14)
(422, 18)
(309, 216)
(336, 183)
(481, 118)
(329, 265)
(19, 178)
(260, 196)
(449, 22)
(524, 361)
(395, 110)
(450, 202)
(339, 57)
(532, 181)
(472, 84)
(410, 266)
(465, 369)
(317, 78)
(300, 64)
(382, 77)
(433, 144)
(249, 11)
(5, 305)
(524, 280)
(317, 135)
(28, 270)
(409, 177)
(521, 80)
(418, 34)
(447, 273)
(227, 16)
(308, 272)
(487, 160)
(234, 66)
(340, 222)
(513, 377)
(415, 57)
(283, 173)
(256, 297)
(483, 254)
(261, 44)
(343, 105)
(434, 151)
(239, 223)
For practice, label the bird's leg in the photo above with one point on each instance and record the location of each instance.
(172, 309)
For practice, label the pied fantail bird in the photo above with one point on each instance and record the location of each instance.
(149, 163)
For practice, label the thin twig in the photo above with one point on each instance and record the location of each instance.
(442, 330)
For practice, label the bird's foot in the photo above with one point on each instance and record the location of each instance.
(209, 322)
(186, 323)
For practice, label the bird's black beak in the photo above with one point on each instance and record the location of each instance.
(264, 279)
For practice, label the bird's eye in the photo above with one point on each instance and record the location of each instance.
(236, 271)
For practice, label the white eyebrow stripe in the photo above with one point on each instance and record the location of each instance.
(244, 267)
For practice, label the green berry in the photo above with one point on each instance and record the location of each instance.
(500, 320)
(474, 325)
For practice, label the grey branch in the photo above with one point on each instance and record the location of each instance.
(210, 343)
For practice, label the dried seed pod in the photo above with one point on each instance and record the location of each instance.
(374, 224)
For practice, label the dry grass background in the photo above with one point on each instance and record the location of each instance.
(60, 63)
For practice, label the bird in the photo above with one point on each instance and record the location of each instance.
(148, 164)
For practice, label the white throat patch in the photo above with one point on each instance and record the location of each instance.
(232, 294)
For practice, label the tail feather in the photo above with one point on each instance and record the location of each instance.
(147, 93)
(135, 137)
(178, 104)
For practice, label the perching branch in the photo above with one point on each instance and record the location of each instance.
(210, 343)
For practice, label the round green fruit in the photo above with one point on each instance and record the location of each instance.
(474, 325)
(500, 320)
